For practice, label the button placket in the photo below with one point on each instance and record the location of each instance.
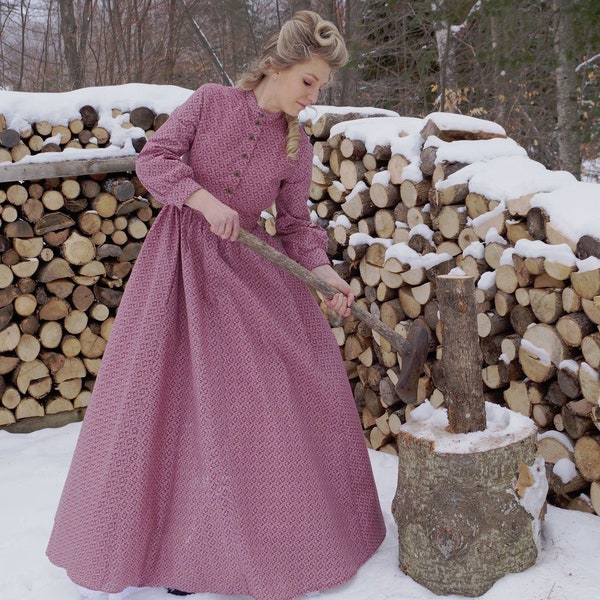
(245, 154)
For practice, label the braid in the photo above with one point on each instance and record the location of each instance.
(292, 140)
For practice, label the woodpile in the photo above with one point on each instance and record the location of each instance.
(81, 133)
(69, 236)
(68, 246)
(399, 211)
(419, 203)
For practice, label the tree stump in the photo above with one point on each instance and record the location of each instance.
(471, 492)
(468, 516)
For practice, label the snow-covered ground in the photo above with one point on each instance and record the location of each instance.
(33, 468)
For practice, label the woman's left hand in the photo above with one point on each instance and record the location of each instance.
(339, 303)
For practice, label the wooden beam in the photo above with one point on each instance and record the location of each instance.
(65, 168)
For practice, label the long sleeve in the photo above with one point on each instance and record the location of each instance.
(303, 241)
(160, 165)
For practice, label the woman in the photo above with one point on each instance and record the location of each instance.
(222, 451)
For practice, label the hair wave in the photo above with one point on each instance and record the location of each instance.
(304, 36)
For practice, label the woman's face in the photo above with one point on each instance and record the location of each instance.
(298, 86)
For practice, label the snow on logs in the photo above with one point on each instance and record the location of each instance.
(67, 246)
(405, 200)
(100, 118)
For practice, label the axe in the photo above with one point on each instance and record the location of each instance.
(413, 349)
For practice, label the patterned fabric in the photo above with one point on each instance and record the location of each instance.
(222, 450)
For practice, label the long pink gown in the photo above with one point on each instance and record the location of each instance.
(222, 450)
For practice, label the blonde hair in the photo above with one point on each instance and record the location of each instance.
(301, 38)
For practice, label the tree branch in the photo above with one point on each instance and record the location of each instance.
(206, 45)
(587, 63)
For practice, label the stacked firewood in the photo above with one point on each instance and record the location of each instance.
(69, 235)
(538, 318)
(79, 133)
(67, 248)
(398, 213)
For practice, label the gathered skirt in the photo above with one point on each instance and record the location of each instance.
(222, 450)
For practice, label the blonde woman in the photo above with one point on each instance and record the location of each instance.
(222, 450)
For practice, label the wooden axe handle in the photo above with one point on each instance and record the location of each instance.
(398, 343)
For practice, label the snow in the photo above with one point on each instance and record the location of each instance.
(410, 148)
(358, 239)
(315, 112)
(472, 151)
(378, 131)
(112, 151)
(342, 220)
(423, 230)
(588, 264)
(487, 280)
(565, 469)
(503, 427)
(475, 249)
(534, 498)
(381, 177)
(492, 236)
(23, 108)
(483, 218)
(559, 437)
(504, 178)
(405, 254)
(361, 186)
(569, 364)
(507, 257)
(560, 253)
(542, 355)
(35, 466)
(450, 121)
(317, 163)
(568, 204)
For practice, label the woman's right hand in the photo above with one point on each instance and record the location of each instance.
(223, 220)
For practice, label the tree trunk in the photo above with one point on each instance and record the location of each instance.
(567, 108)
(68, 29)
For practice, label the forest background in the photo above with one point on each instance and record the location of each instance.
(533, 66)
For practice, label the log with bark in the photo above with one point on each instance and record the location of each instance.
(60, 283)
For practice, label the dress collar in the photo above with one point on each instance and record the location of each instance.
(256, 110)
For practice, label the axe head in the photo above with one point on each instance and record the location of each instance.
(419, 338)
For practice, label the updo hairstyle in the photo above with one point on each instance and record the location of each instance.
(301, 38)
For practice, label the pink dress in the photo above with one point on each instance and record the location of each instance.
(222, 450)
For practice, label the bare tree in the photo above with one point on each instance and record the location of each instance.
(497, 59)
(24, 7)
(68, 29)
(567, 106)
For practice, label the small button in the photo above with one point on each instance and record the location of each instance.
(244, 155)
(257, 122)
(229, 191)
(252, 137)
(236, 174)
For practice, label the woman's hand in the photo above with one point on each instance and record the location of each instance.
(340, 303)
(223, 220)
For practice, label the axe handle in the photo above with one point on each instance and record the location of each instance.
(398, 343)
